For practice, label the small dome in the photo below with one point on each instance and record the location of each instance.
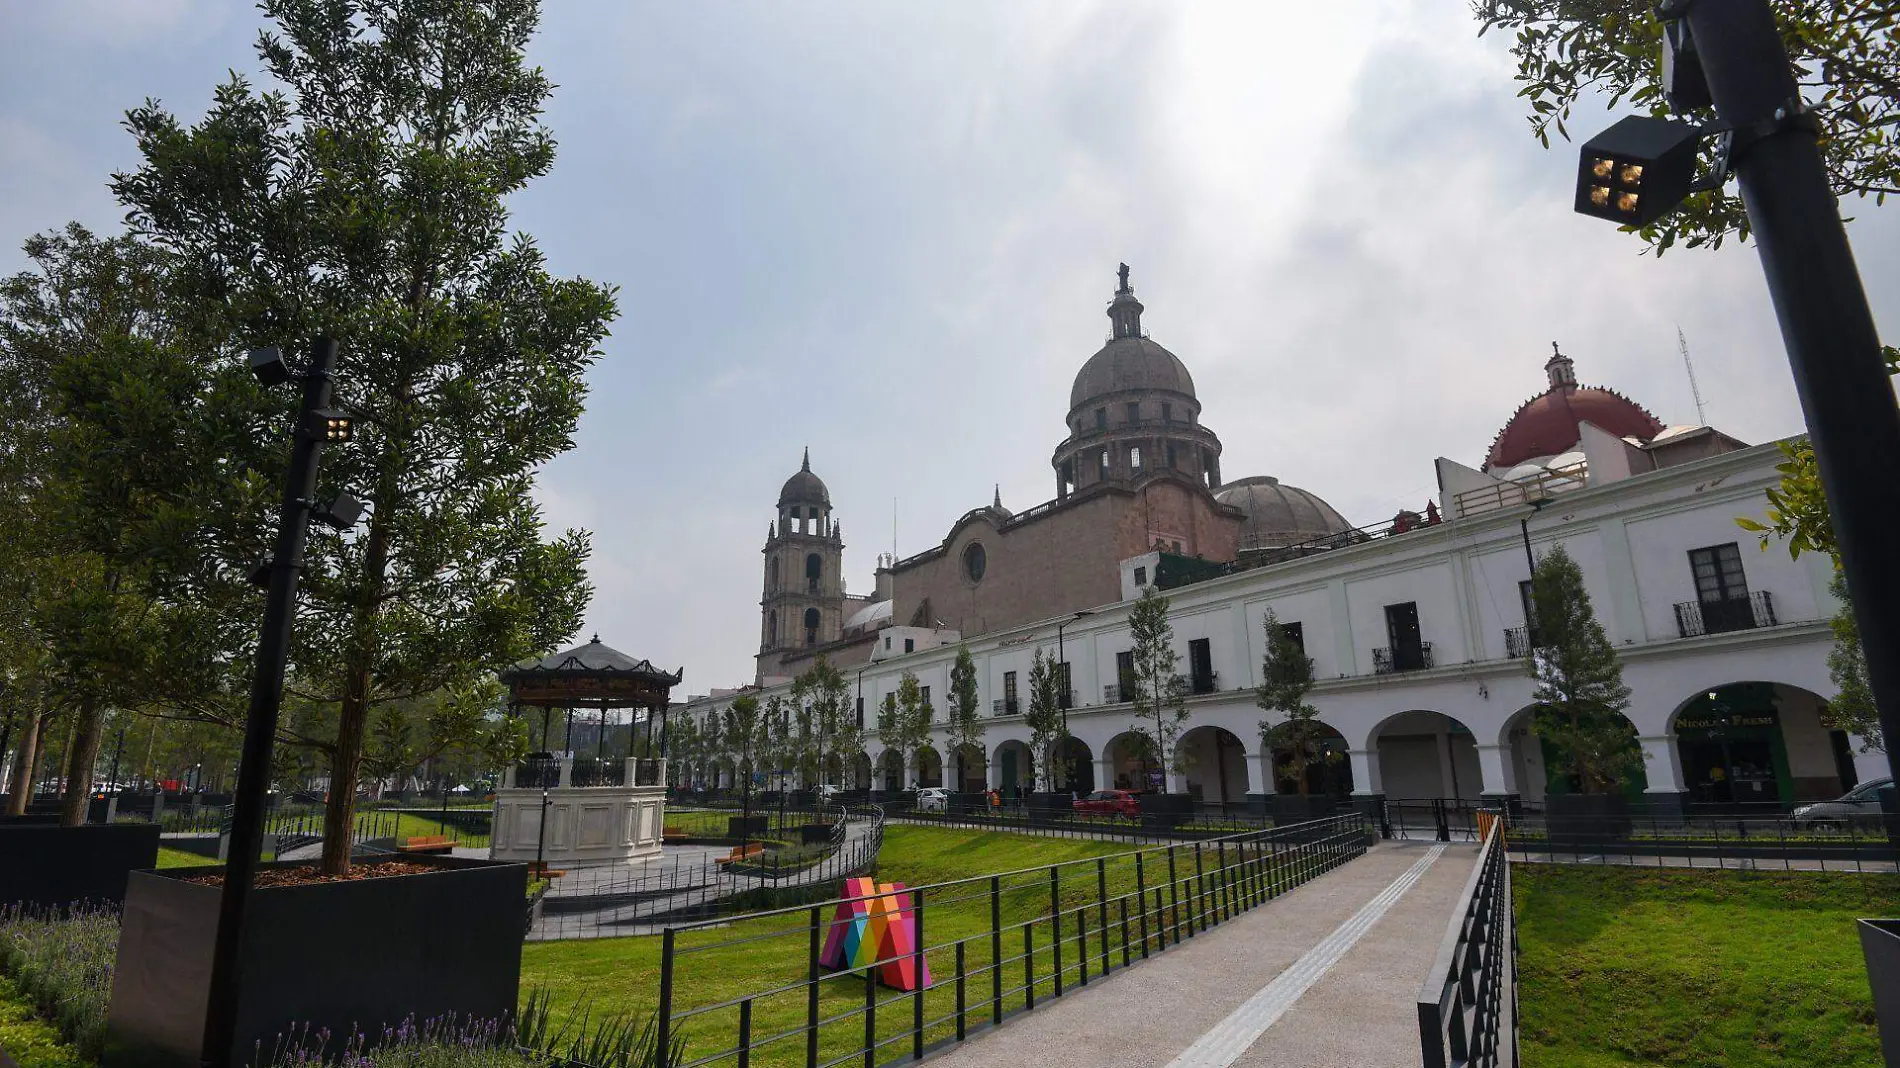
(1130, 364)
(804, 487)
(1547, 424)
(1279, 515)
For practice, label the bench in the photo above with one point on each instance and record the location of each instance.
(427, 843)
(745, 852)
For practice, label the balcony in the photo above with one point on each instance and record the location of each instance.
(1205, 683)
(1065, 699)
(1517, 642)
(1413, 657)
(1697, 618)
(1115, 693)
(1005, 706)
(537, 773)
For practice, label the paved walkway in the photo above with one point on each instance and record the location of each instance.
(1325, 977)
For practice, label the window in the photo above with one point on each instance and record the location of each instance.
(1406, 652)
(1009, 693)
(975, 561)
(1721, 588)
(1065, 694)
(925, 690)
(1134, 457)
(1167, 412)
(1125, 674)
(860, 711)
(1177, 547)
(814, 572)
(1141, 576)
(811, 626)
(1524, 599)
(1101, 418)
(1295, 633)
(1168, 457)
(887, 643)
(910, 645)
(1134, 411)
(1201, 665)
(772, 629)
(771, 574)
(1104, 461)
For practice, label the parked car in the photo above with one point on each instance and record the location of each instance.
(1109, 803)
(1859, 806)
(933, 799)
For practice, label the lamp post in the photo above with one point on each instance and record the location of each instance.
(316, 424)
(541, 835)
(1068, 698)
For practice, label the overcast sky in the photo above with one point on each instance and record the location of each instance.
(888, 231)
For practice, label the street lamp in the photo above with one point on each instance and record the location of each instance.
(1067, 698)
(316, 424)
(1730, 55)
(541, 835)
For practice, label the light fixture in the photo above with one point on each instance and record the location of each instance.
(1636, 171)
(268, 365)
(342, 512)
(330, 425)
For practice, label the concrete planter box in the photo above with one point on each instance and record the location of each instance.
(1586, 819)
(348, 957)
(814, 833)
(46, 865)
(1880, 946)
(1302, 808)
(747, 826)
(1162, 812)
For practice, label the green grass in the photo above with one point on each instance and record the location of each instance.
(1623, 967)
(30, 1041)
(179, 858)
(752, 958)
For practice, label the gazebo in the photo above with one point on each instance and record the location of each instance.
(567, 809)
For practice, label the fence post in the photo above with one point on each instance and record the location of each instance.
(1082, 944)
(996, 949)
(664, 1027)
(1055, 924)
(1438, 815)
(1101, 894)
(870, 1017)
(918, 959)
(1225, 888)
(1029, 965)
(1122, 904)
(811, 994)
(1174, 900)
(1199, 900)
(745, 1033)
(960, 1001)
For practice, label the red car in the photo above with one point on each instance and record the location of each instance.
(1109, 803)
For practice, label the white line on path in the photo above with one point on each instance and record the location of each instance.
(1223, 1044)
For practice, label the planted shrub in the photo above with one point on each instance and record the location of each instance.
(61, 960)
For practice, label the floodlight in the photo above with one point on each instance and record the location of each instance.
(1684, 85)
(329, 424)
(342, 512)
(268, 365)
(1638, 170)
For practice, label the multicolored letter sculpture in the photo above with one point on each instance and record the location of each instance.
(875, 926)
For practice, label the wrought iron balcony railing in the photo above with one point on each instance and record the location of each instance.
(1517, 642)
(592, 772)
(1414, 657)
(1207, 683)
(1696, 618)
(538, 774)
(1004, 706)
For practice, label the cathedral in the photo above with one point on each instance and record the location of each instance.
(1137, 472)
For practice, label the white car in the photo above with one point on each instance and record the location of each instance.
(933, 799)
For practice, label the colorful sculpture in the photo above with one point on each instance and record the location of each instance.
(875, 926)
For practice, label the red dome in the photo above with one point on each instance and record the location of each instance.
(1547, 424)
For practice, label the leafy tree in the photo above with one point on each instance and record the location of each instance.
(366, 200)
(1286, 677)
(965, 727)
(1579, 693)
(1160, 695)
(822, 688)
(1852, 708)
(778, 745)
(1846, 59)
(1044, 718)
(904, 720)
(746, 733)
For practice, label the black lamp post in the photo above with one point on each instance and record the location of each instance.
(541, 837)
(1730, 55)
(1068, 698)
(316, 424)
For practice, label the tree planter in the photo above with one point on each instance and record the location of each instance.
(347, 957)
(814, 833)
(1572, 820)
(1162, 812)
(42, 864)
(747, 826)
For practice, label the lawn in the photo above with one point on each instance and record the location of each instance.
(1624, 967)
(749, 958)
(30, 1041)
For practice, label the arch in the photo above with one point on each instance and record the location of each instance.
(929, 767)
(1014, 768)
(814, 573)
(771, 575)
(892, 771)
(811, 626)
(1758, 744)
(1071, 766)
(1425, 754)
(1131, 764)
(1328, 772)
(1536, 768)
(1214, 764)
(971, 764)
(833, 774)
(772, 628)
(860, 777)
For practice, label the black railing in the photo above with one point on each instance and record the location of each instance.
(1517, 642)
(1004, 706)
(1204, 683)
(1115, 693)
(1467, 1009)
(536, 773)
(1696, 618)
(1068, 924)
(1416, 656)
(647, 772)
(592, 772)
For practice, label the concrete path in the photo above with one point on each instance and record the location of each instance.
(1325, 977)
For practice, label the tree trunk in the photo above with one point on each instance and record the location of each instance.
(80, 757)
(20, 786)
(346, 762)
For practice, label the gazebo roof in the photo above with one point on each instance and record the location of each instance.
(590, 675)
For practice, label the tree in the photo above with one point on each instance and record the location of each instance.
(903, 723)
(1160, 695)
(1286, 676)
(366, 200)
(965, 728)
(1044, 718)
(1579, 693)
(1846, 59)
(1852, 708)
(745, 731)
(823, 689)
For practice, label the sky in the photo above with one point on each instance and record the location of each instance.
(888, 232)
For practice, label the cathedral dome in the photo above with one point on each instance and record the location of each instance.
(1279, 515)
(1130, 364)
(1546, 425)
(804, 487)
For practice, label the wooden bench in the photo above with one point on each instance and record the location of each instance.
(745, 852)
(427, 843)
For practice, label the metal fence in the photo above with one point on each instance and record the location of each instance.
(611, 903)
(992, 947)
(1201, 822)
(1467, 1008)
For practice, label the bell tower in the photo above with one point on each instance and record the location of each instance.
(802, 602)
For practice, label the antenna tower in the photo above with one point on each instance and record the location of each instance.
(1682, 344)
